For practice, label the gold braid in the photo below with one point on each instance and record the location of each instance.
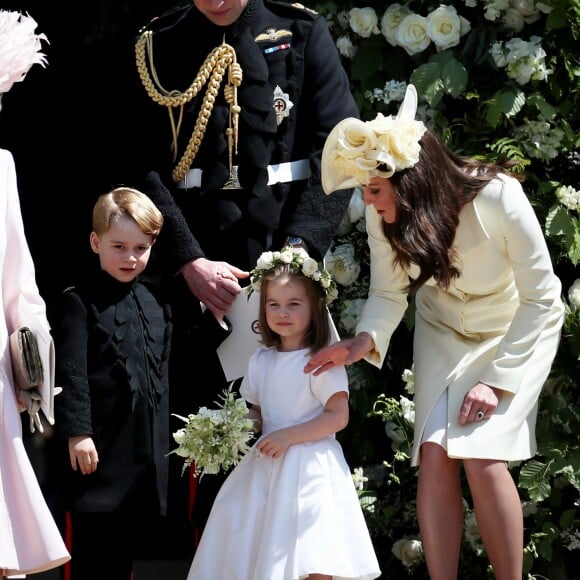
(213, 68)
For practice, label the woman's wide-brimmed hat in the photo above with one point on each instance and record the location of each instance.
(356, 150)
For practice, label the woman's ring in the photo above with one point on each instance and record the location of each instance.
(479, 415)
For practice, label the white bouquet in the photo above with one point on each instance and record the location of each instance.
(215, 439)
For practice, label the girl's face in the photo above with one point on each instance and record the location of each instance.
(123, 250)
(221, 12)
(288, 311)
(380, 192)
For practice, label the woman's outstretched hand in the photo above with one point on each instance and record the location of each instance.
(344, 352)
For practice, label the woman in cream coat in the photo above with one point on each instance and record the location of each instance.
(461, 236)
(29, 538)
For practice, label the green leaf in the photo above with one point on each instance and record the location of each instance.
(559, 223)
(508, 103)
(546, 110)
(574, 248)
(454, 76)
(427, 80)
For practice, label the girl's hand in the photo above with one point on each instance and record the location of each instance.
(83, 454)
(274, 444)
(479, 403)
(344, 352)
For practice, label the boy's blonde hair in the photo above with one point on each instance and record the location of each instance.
(126, 201)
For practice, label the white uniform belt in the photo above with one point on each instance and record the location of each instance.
(280, 173)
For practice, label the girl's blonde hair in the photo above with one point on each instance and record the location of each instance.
(125, 201)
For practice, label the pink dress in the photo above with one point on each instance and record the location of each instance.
(29, 538)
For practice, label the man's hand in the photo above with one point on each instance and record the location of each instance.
(214, 283)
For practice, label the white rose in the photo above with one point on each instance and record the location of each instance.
(345, 46)
(574, 295)
(527, 8)
(363, 21)
(391, 20)
(408, 409)
(408, 377)
(443, 27)
(332, 294)
(350, 313)
(412, 34)
(265, 261)
(513, 20)
(309, 267)
(286, 256)
(301, 253)
(342, 265)
(408, 551)
(179, 436)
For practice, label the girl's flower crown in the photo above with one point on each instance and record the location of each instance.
(19, 48)
(356, 150)
(299, 261)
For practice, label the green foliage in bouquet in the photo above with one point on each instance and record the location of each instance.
(215, 440)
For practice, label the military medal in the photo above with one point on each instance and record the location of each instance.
(282, 104)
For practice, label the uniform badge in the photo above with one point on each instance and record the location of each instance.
(282, 104)
(273, 35)
(302, 7)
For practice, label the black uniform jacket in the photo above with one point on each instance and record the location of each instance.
(280, 48)
(111, 342)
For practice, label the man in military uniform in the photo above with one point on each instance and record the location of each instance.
(237, 97)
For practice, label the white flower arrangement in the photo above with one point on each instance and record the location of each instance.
(574, 295)
(19, 48)
(342, 265)
(409, 551)
(364, 21)
(568, 197)
(215, 440)
(299, 260)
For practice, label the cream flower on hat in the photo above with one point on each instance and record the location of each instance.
(356, 150)
(19, 48)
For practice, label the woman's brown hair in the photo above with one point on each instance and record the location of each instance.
(429, 197)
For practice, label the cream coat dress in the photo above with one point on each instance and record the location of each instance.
(29, 538)
(498, 323)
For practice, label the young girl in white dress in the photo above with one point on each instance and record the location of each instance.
(289, 510)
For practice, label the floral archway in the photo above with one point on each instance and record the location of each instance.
(498, 78)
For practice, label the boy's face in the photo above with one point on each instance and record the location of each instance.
(123, 250)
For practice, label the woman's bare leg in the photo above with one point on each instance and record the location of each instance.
(498, 510)
(440, 511)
